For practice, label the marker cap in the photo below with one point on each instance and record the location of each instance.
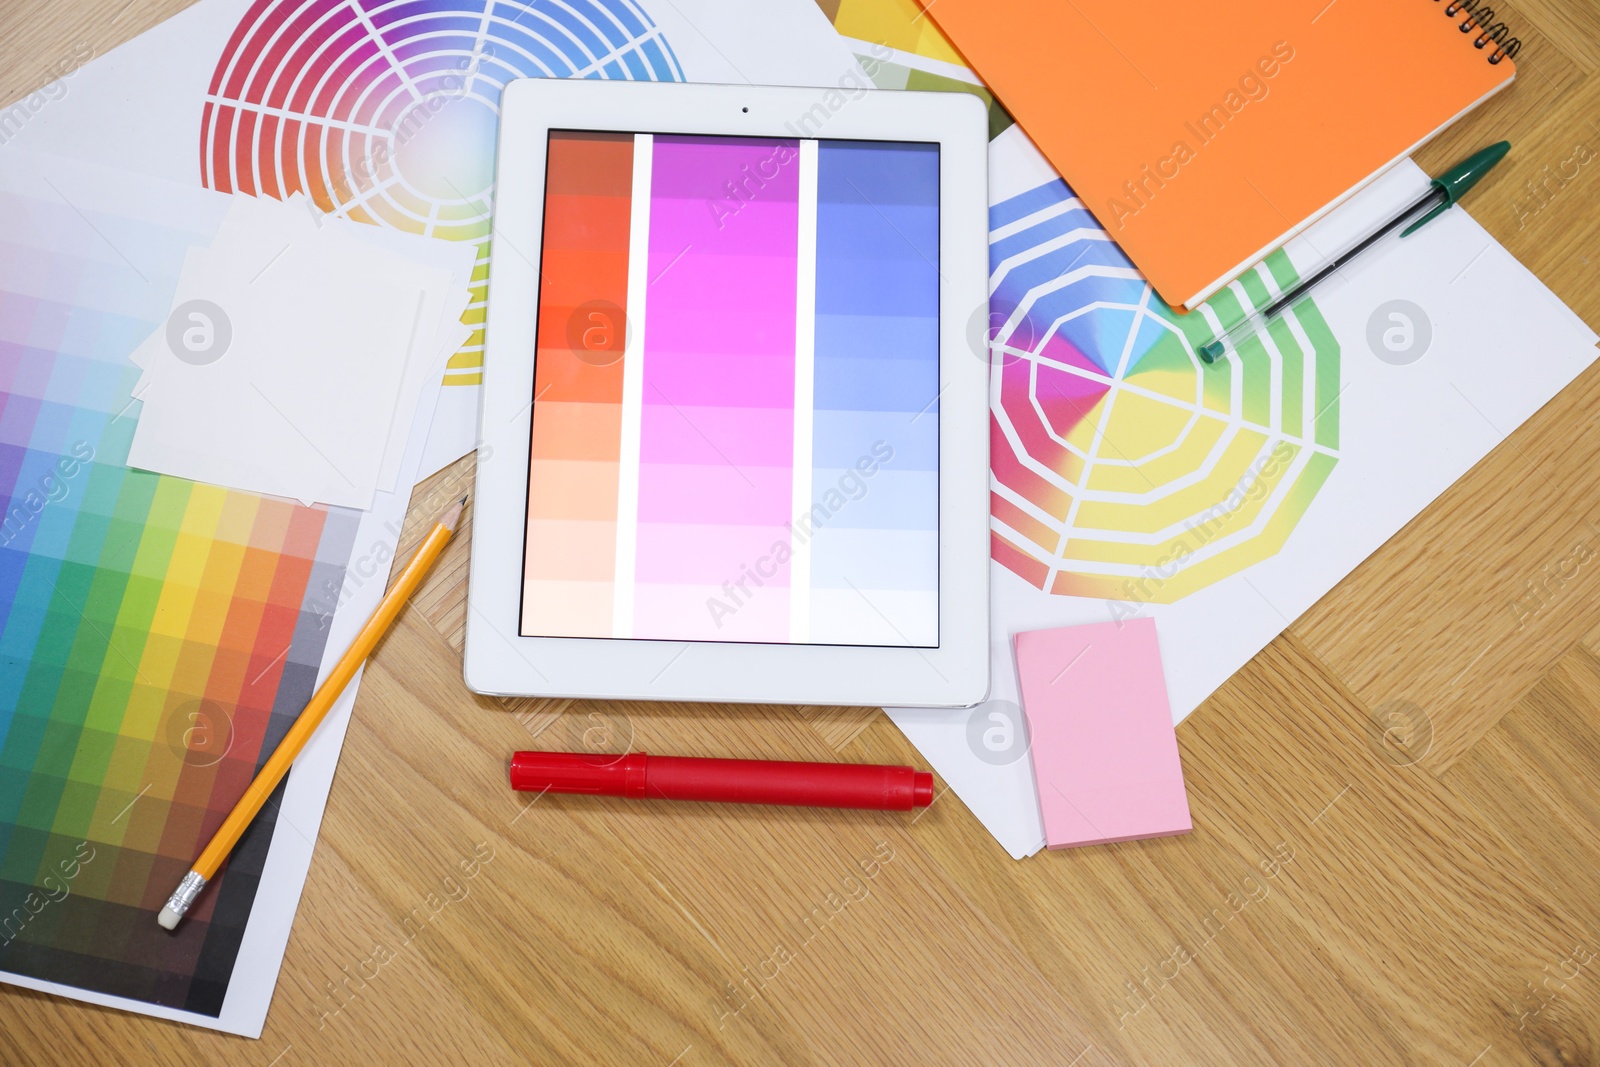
(599, 774)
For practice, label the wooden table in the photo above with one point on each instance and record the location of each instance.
(1339, 901)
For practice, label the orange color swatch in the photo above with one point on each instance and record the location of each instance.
(574, 454)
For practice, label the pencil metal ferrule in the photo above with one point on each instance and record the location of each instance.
(187, 890)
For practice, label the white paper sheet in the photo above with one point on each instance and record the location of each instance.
(299, 404)
(294, 355)
(1406, 432)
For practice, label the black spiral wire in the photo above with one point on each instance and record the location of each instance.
(1480, 17)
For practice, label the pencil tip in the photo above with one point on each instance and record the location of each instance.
(450, 518)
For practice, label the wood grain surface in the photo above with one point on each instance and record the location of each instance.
(1430, 900)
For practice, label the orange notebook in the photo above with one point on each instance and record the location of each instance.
(1202, 136)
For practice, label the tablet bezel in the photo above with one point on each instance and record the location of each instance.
(498, 660)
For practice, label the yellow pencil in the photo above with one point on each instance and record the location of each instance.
(227, 835)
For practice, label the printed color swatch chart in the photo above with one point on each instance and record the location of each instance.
(157, 636)
(735, 420)
(386, 113)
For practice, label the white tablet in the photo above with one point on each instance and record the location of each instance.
(735, 435)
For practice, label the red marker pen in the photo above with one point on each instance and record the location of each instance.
(730, 781)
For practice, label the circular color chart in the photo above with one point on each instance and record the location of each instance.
(1124, 468)
(384, 111)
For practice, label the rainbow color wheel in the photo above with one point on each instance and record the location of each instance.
(385, 112)
(1123, 467)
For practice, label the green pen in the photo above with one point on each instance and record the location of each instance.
(1442, 192)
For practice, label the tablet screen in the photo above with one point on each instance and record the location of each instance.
(735, 421)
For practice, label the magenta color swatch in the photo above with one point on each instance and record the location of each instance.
(685, 435)
(1105, 755)
(717, 430)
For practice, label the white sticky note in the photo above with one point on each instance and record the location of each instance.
(295, 353)
(283, 382)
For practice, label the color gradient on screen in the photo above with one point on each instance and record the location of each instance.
(877, 383)
(717, 431)
(157, 636)
(735, 422)
(573, 466)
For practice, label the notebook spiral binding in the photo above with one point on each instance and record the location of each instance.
(1480, 17)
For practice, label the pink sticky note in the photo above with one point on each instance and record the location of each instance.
(1100, 730)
